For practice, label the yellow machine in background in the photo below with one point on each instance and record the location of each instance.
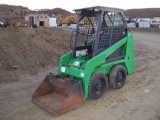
(19, 24)
(71, 19)
(16, 24)
(59, 19)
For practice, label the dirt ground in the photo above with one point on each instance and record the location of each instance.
(139, 99)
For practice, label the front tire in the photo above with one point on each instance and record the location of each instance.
(98, 85)
(117, 77)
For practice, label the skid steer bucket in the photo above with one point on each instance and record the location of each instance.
(59, 95)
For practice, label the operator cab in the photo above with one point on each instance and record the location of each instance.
(97, 29)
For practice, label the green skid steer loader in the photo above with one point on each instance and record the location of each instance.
(102, 53)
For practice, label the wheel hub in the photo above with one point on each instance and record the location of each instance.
(119, 77)
(99, 85)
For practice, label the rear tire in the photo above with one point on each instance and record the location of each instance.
(98, 85)
(117, 77)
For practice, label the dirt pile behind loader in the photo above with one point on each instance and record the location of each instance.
(27, 49)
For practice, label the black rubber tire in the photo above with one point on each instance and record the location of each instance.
(98, 85)
(117, 77)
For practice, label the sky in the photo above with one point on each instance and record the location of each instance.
(74, 4)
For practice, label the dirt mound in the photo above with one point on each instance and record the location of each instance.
(143, 13)
(28, 49)
(57, 11)
(14, 13)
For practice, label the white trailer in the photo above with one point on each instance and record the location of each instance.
(155, 22)
(52, 22)
(131, 25)
(144, 24)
